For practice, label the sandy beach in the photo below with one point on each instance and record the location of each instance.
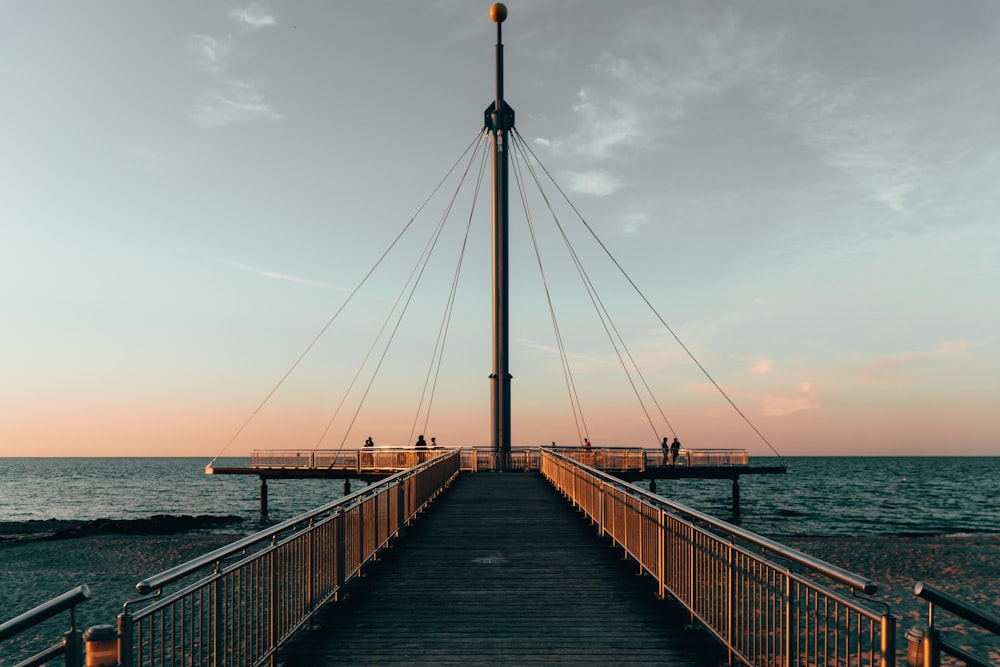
(33, 571)
(965, 566)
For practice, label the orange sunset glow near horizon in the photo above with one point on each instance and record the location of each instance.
(197, 198)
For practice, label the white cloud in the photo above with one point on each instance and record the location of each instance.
(595, 182)
(212, 53)
(762, 367)
(629, 223)
(236, 101)
(253, 17)
(231, 99)
(773, 405)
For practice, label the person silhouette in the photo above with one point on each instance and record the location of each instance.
(421, 443)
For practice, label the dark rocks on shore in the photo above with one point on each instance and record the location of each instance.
(160, 524)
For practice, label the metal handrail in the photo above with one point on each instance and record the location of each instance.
(928, 643)
(70, 646)
(762, 611)
(44, 611)
(157, 581)
(959, 607)
(264, 587)
(830, 570)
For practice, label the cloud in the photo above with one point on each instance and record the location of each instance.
(253, 17)
(236, 101)
(891, 370)
(762, 367)
(230, 99)
(773, 405)
(211, 53)
(277, 276)
(595, 182)
(629, 223)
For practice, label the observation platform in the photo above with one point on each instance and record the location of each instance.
(374, 464)
(501, 571)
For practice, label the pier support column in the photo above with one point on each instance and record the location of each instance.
(736, 497)
(263, 496)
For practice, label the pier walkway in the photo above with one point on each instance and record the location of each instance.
(500, 570)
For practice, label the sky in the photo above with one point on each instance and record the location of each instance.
(804, 192)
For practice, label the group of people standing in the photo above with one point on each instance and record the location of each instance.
(419, 444)
(670, 450)
(422, 444)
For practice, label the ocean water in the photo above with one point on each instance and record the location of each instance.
(819, 496)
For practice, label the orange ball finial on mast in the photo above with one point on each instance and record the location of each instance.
(498, 12)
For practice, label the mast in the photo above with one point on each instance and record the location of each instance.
(499, 121)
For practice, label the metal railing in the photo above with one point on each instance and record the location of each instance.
(614, 459)
(926, 644)
(635, 459)
(360, 460)
(238, 604)
(71, 645)
(483, 460)
(739, 585)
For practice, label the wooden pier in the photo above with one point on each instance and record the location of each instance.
(501, 571)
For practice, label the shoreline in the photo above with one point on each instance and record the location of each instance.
(22, 532)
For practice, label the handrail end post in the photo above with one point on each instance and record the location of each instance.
(73, 647)
(923, 647)
(888, 648)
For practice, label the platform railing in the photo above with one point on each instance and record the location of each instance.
(359, 460)
(70, 646)
(238, 604)
(380, 460)
(636, 459)
(484, 460)
(927, 644)
(769, 604)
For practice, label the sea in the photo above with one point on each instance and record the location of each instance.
(818, 496)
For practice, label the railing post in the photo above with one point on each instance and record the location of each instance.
(788, 619)
(341, 553)
(888, 646)
(73, 648)
(272, 598)
(924, 649)
(400, 509)
(217, 623)
(661, 556)
(603, 500)
(730, 599)
(125, 649)
(931, 643)
(375, 530)
(691, 567)
(310, 566)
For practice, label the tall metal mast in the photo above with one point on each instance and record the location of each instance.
(499, 121)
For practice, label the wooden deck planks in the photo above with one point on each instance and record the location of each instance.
(502, 571)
